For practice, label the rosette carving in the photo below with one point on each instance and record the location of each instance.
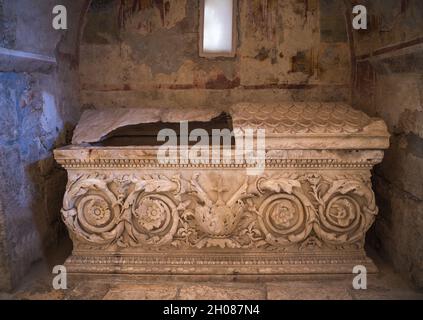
(141, 213)
(345, 211)
(151, 213)
(150, 216)
(91, 211)
(272, 213)
(286, 216)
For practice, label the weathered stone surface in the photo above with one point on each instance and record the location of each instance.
(84, 291)
(96, 124)
(148, 57)
(332, 22)
(402, 239)
(303, 125)
(19, 61)
(5, 277)
(386, 285)
(144, 292)
(20, 23)
(306, 212)
(403, 164)
(311, 125)
(36, 102)
(20, 242)
(322, 292)
(389, 84)
(213, 292)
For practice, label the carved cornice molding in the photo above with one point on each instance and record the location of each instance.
(270, 164)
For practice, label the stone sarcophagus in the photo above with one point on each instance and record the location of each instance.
(306, 212)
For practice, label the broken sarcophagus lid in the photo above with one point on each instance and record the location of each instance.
(124, 127)
(304, 207)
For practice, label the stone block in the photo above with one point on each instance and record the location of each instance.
(210, 292)
(142, 292)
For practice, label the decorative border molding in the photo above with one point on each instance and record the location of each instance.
(235, 266)
(270, 164)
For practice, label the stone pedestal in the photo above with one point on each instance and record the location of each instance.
(307, 213)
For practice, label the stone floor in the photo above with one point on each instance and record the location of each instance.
(385, 285)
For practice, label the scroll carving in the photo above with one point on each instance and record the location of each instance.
(91, 211)
(277, 212)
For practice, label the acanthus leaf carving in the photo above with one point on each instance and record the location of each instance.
(91, 211)
(346, 210)
(279, 184)
(270, 212)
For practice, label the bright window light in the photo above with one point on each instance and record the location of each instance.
(218, 30)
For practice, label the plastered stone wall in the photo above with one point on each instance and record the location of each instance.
(389, 84)
(29, 129)
(145, 53)
(39, 104)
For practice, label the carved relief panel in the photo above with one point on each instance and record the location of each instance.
(207, 210)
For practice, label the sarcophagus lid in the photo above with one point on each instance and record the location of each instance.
(286, 126)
